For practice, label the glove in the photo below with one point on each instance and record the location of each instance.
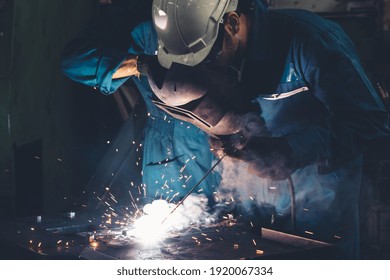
(148, 65)
(267, 157)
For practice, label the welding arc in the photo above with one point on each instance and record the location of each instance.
(194, 187)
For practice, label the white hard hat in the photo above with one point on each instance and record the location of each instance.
(188, 29)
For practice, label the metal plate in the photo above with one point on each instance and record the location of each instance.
(65, 238)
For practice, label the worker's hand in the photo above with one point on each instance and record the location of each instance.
(148, 65)
(267, 157)
(253, 125)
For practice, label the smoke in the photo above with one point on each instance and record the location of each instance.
(249, 190)
(269, 202)
(193, 212)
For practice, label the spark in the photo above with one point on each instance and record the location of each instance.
(113, 198)
(176, 194)
(188, 178)
(259, 252)
(235, 246)
(94, 244)
(254, 242)
(309, 232)
(182, 169)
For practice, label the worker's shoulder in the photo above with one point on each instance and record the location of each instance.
(303, 22)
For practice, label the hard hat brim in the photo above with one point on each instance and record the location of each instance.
(190, 59)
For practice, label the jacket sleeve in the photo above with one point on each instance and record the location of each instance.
(355, 113)
(96, 53)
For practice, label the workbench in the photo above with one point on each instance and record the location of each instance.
(72, 236)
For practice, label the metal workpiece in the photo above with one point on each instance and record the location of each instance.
(63, 238)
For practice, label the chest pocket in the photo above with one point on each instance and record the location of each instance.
(290, 84)
(287, 94)
(291, 105)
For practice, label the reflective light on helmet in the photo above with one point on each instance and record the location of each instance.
(161, 20)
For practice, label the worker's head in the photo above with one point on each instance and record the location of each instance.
(191, 31)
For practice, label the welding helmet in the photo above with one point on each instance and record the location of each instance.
(187, 29)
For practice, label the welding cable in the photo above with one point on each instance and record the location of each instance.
(292, 201)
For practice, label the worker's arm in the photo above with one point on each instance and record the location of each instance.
(356, 114)
(104, 54)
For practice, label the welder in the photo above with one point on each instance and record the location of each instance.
(281, 90)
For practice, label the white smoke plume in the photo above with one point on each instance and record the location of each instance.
(247, 189)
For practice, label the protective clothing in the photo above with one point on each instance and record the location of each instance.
(304, 73)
